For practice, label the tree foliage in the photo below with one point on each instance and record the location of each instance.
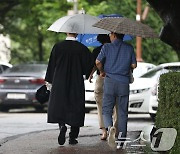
(27, 21)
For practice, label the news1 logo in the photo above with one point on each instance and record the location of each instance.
(163, 139)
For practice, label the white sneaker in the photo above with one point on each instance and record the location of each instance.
(111, 138)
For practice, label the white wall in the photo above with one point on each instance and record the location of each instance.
(5, 44)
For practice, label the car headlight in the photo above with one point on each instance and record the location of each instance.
(139, 91)
(154, 90)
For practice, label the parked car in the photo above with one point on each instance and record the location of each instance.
(143, 92)
(19, 84)
(4, 66)
(141, 68)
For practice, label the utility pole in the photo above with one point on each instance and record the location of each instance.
(138, 39)
(75, 6)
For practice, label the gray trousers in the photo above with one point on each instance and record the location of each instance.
(115, 90)
(98, 93)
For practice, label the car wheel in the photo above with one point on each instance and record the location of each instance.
(4, 108)
(153, 116)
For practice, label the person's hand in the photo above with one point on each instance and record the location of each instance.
(102, 74)
(48, 85)
(90, 78)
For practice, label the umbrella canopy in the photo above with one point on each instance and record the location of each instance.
(123, 25)
(91, 39)
(78, 23)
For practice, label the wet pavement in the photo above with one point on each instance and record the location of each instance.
(45, 142)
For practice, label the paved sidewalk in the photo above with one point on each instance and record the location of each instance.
(45, 142)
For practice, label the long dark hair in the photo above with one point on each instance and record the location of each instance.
(103, 38)
(119, 36)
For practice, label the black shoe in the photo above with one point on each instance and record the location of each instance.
(120, 144)
(73, 141)
(62, 135)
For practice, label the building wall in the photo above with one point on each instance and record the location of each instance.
(5, 44)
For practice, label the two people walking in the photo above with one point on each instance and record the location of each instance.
(114, 62)
(98, 90)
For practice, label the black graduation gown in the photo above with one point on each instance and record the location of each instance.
(69, 61)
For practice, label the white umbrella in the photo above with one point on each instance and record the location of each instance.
(78, 23)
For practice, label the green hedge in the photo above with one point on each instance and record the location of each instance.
(168, 113)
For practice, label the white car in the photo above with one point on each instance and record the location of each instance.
(143, 92)
(141, 68)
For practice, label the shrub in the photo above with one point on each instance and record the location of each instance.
(168, 113)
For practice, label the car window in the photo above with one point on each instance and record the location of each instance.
(149, 67)
(1, 69)
(27, 68)
(173, 68)
(4, 67)
(152, 73)
(155, 73)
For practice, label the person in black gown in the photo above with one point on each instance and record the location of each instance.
(69, 61)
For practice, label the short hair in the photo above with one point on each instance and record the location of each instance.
(119, 36)
(103, 38)
(73, 33)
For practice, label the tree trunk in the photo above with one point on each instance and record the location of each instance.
(178, 54)
(40, 46)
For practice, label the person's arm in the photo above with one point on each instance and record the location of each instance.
(101, 58)
(133, 66)
(91, 74)
(100, 68)
(133, 60)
